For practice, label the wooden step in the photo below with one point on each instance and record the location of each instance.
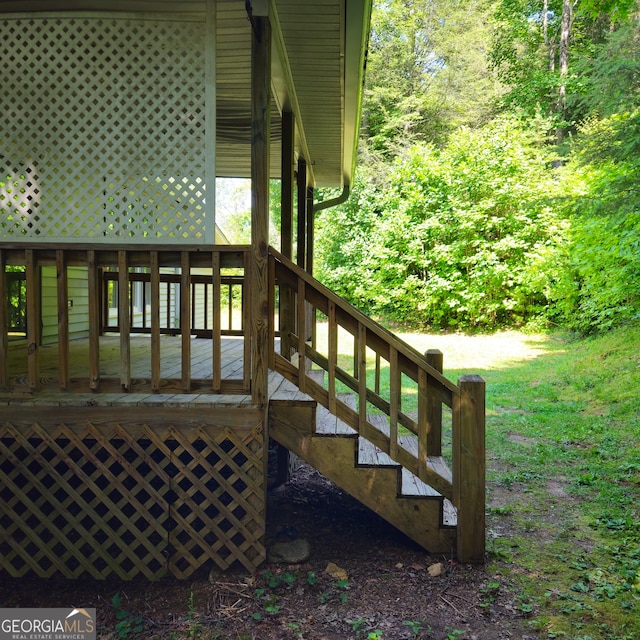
(411, 485)
(327, 424)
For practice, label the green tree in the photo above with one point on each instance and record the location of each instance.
(428, 72)
(600, 284)
(540, 48)
(462, 218)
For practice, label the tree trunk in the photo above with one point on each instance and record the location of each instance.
(565, 40)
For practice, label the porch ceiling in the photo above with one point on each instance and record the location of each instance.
(318, 67)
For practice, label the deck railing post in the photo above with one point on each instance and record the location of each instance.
(95, 284)
(4, 323)
(34, 317)
(434, 406)
(260, 127)
(469, 469)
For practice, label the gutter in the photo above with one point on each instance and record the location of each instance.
(333, 202)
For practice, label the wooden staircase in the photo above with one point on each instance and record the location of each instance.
(370, 413)
(363, 470)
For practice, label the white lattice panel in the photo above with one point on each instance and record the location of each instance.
(102, 135)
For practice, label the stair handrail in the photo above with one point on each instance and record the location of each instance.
(401, 357)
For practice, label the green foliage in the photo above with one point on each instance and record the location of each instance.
(195, 625)
(526, 55)
(599, 285)
(461, 219)
(416, 626)
(455, 238)
(127, 624)
(609, 73)
(494, 226)
(427, 72)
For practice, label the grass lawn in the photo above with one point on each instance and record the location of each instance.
(563, 474)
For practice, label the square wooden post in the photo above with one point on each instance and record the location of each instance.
(469, 469)
(286, 312)
(301, 183)
(260, 125)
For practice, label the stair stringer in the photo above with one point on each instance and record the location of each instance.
(420, 518)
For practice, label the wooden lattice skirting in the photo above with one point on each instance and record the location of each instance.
(129, 499)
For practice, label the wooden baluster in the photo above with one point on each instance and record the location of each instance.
(205, 305)
(302, 344)
(93, 284)
(154, 277)
(62, 286)
(286, 320)
(469, 468)
(434, 407)
(356, 356)
(192, 309)
(362, 376)
(4, 324)
(271, 276)
(170, 321)
(185, 327)
(33, 318)
(144, 303)
(333, 355)
(423, 448)
(378, 374)
(394, 401)
(246, 290)
(216, 331)
(124, 320)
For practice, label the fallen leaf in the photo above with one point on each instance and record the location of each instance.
(436, 569)
(336, 572)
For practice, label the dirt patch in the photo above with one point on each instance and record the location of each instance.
(520, 439)
(388, 588)
(557, 488)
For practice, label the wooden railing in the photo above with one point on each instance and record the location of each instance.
(204, 283)
(202, 306)
(383, 372)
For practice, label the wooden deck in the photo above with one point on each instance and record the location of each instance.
(155, 385)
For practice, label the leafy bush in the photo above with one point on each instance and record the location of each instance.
(462, 237)
(600, 282)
